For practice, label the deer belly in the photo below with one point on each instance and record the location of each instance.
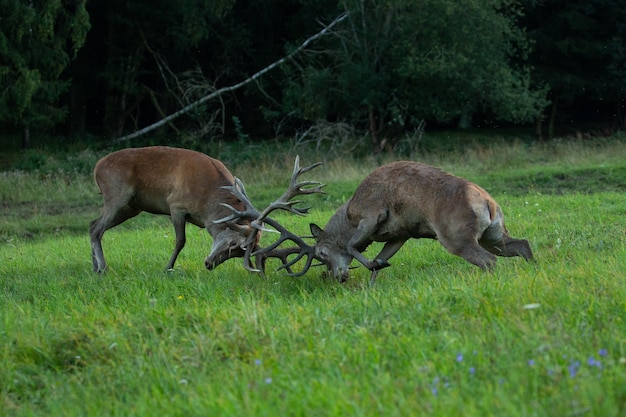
(392, 230)
(150, 205)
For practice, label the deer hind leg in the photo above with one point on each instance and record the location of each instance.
(468, 249)
(179, 222)
(496, 240)
(110, 217)
(508, 246)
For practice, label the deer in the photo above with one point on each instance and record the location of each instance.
(403, 200)
(185, 185)
(397, 202)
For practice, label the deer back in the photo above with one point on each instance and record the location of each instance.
(158, 179)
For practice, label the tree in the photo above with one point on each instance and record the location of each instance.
(402, 61)
(37, 41)
(579, 52)
(140, 44)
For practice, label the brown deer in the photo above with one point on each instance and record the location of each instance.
(404, 200)
(184, 184)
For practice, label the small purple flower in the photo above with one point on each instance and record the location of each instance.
(472, 370)
(603, 352)
(573, 369)
(268, 380)
(433, 386)
(459, 357)
(257, 361)
(531, 362)
(593, 362)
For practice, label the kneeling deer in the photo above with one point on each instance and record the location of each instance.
(404, 200)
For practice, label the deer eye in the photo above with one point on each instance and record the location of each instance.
(233, 244)
(323, 254)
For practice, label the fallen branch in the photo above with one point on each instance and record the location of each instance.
(232, 87)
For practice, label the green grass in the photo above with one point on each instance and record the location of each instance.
(434, 336)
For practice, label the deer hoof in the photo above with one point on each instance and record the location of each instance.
(380, 264)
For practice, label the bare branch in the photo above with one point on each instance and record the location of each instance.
(234, 87)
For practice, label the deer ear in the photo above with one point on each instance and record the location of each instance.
(316, 231)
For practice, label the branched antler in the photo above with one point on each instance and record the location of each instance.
(295, 188)
(257, 220)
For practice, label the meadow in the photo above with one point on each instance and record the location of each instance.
(434, 335)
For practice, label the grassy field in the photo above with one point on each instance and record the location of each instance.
(434, 335)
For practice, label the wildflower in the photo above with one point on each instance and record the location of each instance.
(433, 386)
(472, 370)
(180, 297)
(593, 362)
(459, 357)
(531, 362)
(603, 352)
(257, 361)
(573, 369)
(268, 380)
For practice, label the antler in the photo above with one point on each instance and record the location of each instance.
(258, 218)
(294, 189)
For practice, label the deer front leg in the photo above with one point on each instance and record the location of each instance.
(362, 238)
(390, 249)
(179, 222)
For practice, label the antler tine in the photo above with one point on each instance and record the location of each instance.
(247, 264)
(238, 190)
(302, 250)
(295, 188)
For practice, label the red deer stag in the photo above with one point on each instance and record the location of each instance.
(404, 200)
(184, 184)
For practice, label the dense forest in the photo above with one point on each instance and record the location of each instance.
(105, 68)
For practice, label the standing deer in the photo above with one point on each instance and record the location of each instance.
(404, 200)
(184, 184)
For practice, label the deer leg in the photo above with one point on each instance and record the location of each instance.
(361, 239)
(508, 246)
(109, 218)
(470, 250)
(497, 241)
(390, 249)
(179, 222)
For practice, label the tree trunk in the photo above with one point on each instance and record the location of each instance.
(552, 118)
(26, 138)
(539, 127)
(373, 128)
(465, 121)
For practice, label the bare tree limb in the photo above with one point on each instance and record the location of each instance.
(234, 87)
